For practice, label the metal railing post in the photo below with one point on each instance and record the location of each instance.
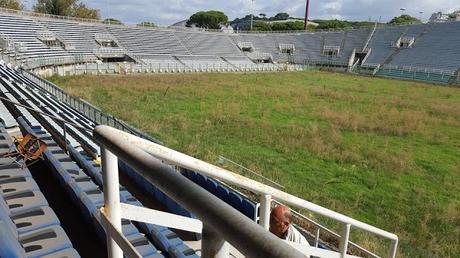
(111, 198)
(65, 137)
(213, 245)
(393, 248)
(265, 205)
(317, 237)
(343, 245)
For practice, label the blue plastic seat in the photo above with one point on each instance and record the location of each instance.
(164, 238)
(142, 245)
(222, 193)
(36, 243)
(235, 200)
(160, 196)
(81, 186)
(44, 241)
(249, 209)
(34, 219)
(13, 171)
(91, 201)
(133, 201)
(25, 200)
(9, 245)
(172, 206)
(72, 173)
(181, 251)
(200, 180)
(17, 184)
(211, 186)
(192, 175)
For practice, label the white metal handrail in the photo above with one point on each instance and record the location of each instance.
(219, 222)
(266, 193)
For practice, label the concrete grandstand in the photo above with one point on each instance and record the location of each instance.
(41, 42)
(33, 45)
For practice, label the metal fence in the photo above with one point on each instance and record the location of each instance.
(417, 74)
(90, 111)
(126, 68)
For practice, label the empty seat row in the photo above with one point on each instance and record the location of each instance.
(236, 200)
(163, 238)
(89, 195)
(29, 227)
(84, 192)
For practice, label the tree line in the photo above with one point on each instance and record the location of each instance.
(70, 8)
(205, 19)
(280, 22)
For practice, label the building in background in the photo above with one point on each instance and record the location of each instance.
(445, 17)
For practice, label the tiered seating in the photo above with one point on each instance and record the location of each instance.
(355, 40)
(6, 118)
(204, 43)
(28, 226)
(416, 30)
(23, 32)
(82, 189)
(381, 43)
(236, 200)
(263, 43)
(437, 49)
(142, 41)
(165, 239)
(79, 35)
(87, 195)
(308, 46)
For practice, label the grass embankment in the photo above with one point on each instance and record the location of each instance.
(383, 151)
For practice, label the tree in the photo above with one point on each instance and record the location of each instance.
(405, 19)
(262, 26)
(287, 26)
(11, 4)
(332, 24)
(72, 8)
(82, 11)
(263, 16)
(112, 21)
(208, 19)
(280, 16)
(146, 24)
(278, 26)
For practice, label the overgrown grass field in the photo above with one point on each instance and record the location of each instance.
(386, 152)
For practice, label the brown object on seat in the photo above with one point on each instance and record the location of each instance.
(29, 148)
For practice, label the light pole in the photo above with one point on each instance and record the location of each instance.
(420, 17)
(108, 11)
(307, 7)
(402, 11)
(252, 13)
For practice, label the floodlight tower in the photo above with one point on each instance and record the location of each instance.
(307, 7)
(402, 11)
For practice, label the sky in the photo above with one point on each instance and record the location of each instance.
(167, 12)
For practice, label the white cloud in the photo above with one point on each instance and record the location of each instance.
(170, 11)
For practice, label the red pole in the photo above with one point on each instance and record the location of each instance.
(306, 15)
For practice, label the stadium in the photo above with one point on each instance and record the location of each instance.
(140, 141)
